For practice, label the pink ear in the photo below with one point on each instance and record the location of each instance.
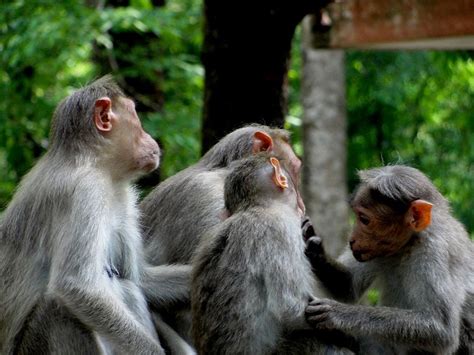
(419, 215)
(102, 114)
(262, 142)
(278, 177)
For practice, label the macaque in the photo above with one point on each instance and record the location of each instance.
(180, 210)
(251, 279)
(72, 275)
(407, 241)
(183, 208)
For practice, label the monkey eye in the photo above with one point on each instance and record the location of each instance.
(364, 219)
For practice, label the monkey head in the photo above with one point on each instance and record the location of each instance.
(99, 122)
(387, 212)
(280, 147)
(131, 151)
(259, 180)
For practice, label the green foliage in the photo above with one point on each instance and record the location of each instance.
(411, 107)
(44, 50)
(415, 108)
(47, 48)
(373, 296)
(293, 121)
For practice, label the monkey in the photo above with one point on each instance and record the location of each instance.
(73, 279)
(251, 279)
(407, 241)
(181, 209)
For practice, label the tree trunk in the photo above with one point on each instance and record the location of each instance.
(324, 139)
(245, 54)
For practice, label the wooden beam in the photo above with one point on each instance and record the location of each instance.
(402, 23)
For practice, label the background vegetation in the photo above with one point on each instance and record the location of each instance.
(409, 107)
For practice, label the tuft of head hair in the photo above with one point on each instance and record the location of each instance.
(239, 144)
(73, 126)
(399, 185)
(241, 186)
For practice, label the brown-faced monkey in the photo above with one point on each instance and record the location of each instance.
(72, 278)
(251, 279)
(406, 239)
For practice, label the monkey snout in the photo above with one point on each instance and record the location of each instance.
(357, 255)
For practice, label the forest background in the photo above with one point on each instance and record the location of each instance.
(411, 107)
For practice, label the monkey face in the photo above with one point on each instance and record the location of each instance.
(293, 166)
(377, 235)
(136, 147)
(282, 180)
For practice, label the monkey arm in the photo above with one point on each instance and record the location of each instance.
(166, 284)
(78, 277)
(102, 311)
(419, 329)
(346, 279)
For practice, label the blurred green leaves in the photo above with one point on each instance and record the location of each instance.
(47, 49)
(411, 107)
(415, 108)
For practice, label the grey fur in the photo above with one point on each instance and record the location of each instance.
(427, 289)
(179, 211)
(72, 277)
(76, 134)
(251, 279)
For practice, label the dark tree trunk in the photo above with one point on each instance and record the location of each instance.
(245, 54)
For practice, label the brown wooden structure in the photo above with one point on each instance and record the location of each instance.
(413, 24)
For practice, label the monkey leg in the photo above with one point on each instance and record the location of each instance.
(52, 329)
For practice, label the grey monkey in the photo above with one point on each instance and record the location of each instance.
(407, 241)
(72, 275)
(181, 210)
(251, 279)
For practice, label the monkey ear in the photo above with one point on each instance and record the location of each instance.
(419, 215)
(278, 177)
(102, 112)
(262, 142)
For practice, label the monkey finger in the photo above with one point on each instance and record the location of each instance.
(318, 309)
(315, 302)
(314, 244)
(317, 319)
(307, 230)
(305, 221)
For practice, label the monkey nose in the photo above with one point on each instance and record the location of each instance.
(357, 255)
(351, 243)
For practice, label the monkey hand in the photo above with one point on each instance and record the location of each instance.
(314, 250)
(307, 228)
(324, 314)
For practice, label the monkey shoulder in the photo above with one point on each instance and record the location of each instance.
(192, 178)
(432, 264)
(192, 191)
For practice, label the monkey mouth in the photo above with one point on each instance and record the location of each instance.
(361, 255)
(151, 166)
(149, 163)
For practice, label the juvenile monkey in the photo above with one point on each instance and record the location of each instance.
(251, 280)
(72, 276)
(406, 239)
